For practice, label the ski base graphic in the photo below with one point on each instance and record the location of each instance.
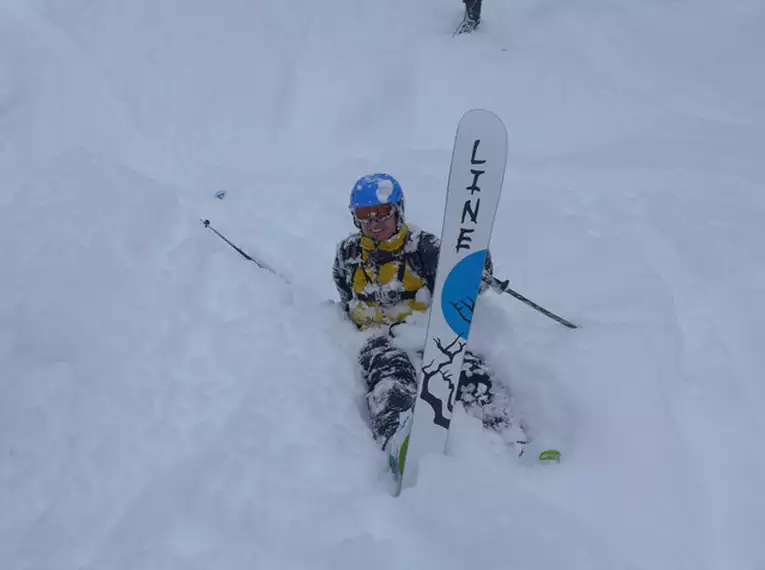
(475, 184)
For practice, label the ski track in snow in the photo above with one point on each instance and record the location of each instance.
(166, 404)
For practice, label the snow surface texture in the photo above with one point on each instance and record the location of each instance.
(165, 404)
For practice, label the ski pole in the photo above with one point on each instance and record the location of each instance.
(501, 286)
(242, 253)
(504, 287)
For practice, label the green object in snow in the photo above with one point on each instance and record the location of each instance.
(550, 455)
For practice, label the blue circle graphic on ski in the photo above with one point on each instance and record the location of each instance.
(459, 293)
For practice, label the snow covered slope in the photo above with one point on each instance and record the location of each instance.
(165, 404)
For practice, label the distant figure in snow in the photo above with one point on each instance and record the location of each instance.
(383, 274)
(472, 16)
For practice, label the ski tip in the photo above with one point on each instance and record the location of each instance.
(550, 455)
(484, 120)
(481, 111)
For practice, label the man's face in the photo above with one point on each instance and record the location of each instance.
(377, 222)
(379, 230)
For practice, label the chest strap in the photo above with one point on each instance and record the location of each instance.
(403, 295)
(396, 296)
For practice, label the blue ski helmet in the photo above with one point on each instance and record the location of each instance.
(376, 189)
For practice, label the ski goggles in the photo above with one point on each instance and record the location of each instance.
(380, 212)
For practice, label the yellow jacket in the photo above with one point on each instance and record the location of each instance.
(383, 282)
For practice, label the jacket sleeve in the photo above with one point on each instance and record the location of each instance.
(428, 250)
(339, 276)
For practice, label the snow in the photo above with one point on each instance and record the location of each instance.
(166, 404)
(384, 190)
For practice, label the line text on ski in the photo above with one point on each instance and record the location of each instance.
(472, 204)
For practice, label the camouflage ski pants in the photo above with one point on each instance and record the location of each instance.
(391, 382)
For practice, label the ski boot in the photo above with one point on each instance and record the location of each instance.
(472, 17)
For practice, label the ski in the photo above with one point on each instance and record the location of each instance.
(475, 181)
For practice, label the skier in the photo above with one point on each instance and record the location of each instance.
(385, 273)
(472, 16)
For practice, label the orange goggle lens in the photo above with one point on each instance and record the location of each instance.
(380, 212)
